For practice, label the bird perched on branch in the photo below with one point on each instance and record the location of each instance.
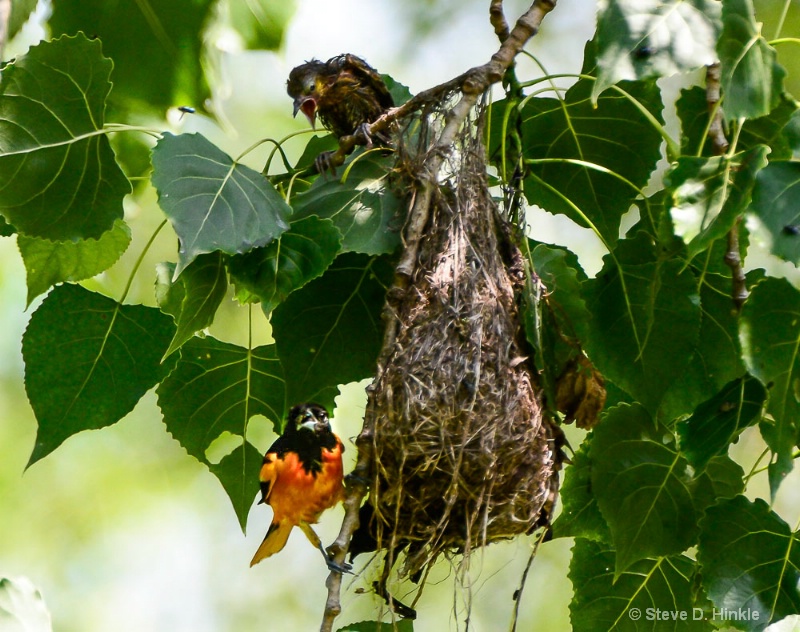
(345, 92)
(300, 478)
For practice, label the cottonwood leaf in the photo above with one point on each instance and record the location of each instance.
(194, 304)
(613, 137)
(770, 339)
(752, 79)
(776, 202)
(213, 202)
(157, 47)
(644, 325)
(717, 422)
(271, 273)
(644, 487)
(640, 39)
(750, 560)
(50, 262)
(238, 474)
(58, 176)
(330, 331)
(362, 206)
(88, 361)
(580, 516)
(217, 387)
(628, 602)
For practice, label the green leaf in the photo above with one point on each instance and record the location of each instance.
(644, 325)
(717, 422)
(725, 479)
(157, 47)
(580, 517)
(750, 560)
(752, 80)
(330, 331)
(614, 135)
(20, 13)
(363, 208)
(213, 202)
(653, 594)
(218, 387)
(717, 355)
(301, 254)
(50, 262)
(58, 176)
(22, 608)
(261, 23)
(203, 285)
(6, 229)
(707, 198)
(776, 202)
(238, 474)
(766, 130)
(643, 486)
(88, 360)
(770, 340)
(559, 270)
(641, 39)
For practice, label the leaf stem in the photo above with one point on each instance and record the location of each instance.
(139, 261)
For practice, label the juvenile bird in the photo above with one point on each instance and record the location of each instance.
(301, 477)
(345, 92)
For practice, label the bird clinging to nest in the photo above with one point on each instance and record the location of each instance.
(345, 92)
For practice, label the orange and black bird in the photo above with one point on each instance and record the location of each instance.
(300, 478)
(345, 92)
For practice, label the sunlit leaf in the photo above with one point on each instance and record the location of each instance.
(88, 361)
(20, 13)
(50, 262)
(330, 331)
(363, 207)
(157, 47)
(639, 39)
(58, 176)
(217, 387)
(770, 338)
(776, 201)
(630, 602)
(22, 608)
(271, 273)
(613, 137)
(752, 79)
(213, 202)
(750, 561)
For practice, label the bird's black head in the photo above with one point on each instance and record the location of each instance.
(308, 417)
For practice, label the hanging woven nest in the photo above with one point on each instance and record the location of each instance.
(462, 453)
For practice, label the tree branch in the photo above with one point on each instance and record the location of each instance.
(498, 20)
(471, 84)
(720, 143)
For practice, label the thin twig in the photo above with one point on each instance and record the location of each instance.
(720, 143)
(471, 84)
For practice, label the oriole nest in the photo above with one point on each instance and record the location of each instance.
(463, 455)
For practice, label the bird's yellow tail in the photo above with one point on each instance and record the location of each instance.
(274, 541)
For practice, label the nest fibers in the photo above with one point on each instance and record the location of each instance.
(463, 455)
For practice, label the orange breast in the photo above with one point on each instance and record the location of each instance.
(297, 495)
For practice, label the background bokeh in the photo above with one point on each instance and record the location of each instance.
(121, 530)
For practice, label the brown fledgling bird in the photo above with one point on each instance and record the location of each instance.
(345, 92)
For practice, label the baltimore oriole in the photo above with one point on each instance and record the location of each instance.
(301, 477)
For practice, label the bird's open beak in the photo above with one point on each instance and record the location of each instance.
(308, 106)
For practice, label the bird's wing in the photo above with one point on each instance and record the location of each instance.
(268, 475)
(367, 75)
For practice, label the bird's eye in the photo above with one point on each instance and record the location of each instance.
(309, 414)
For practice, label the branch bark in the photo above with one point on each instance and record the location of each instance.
(716, 133)
(471, 84)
